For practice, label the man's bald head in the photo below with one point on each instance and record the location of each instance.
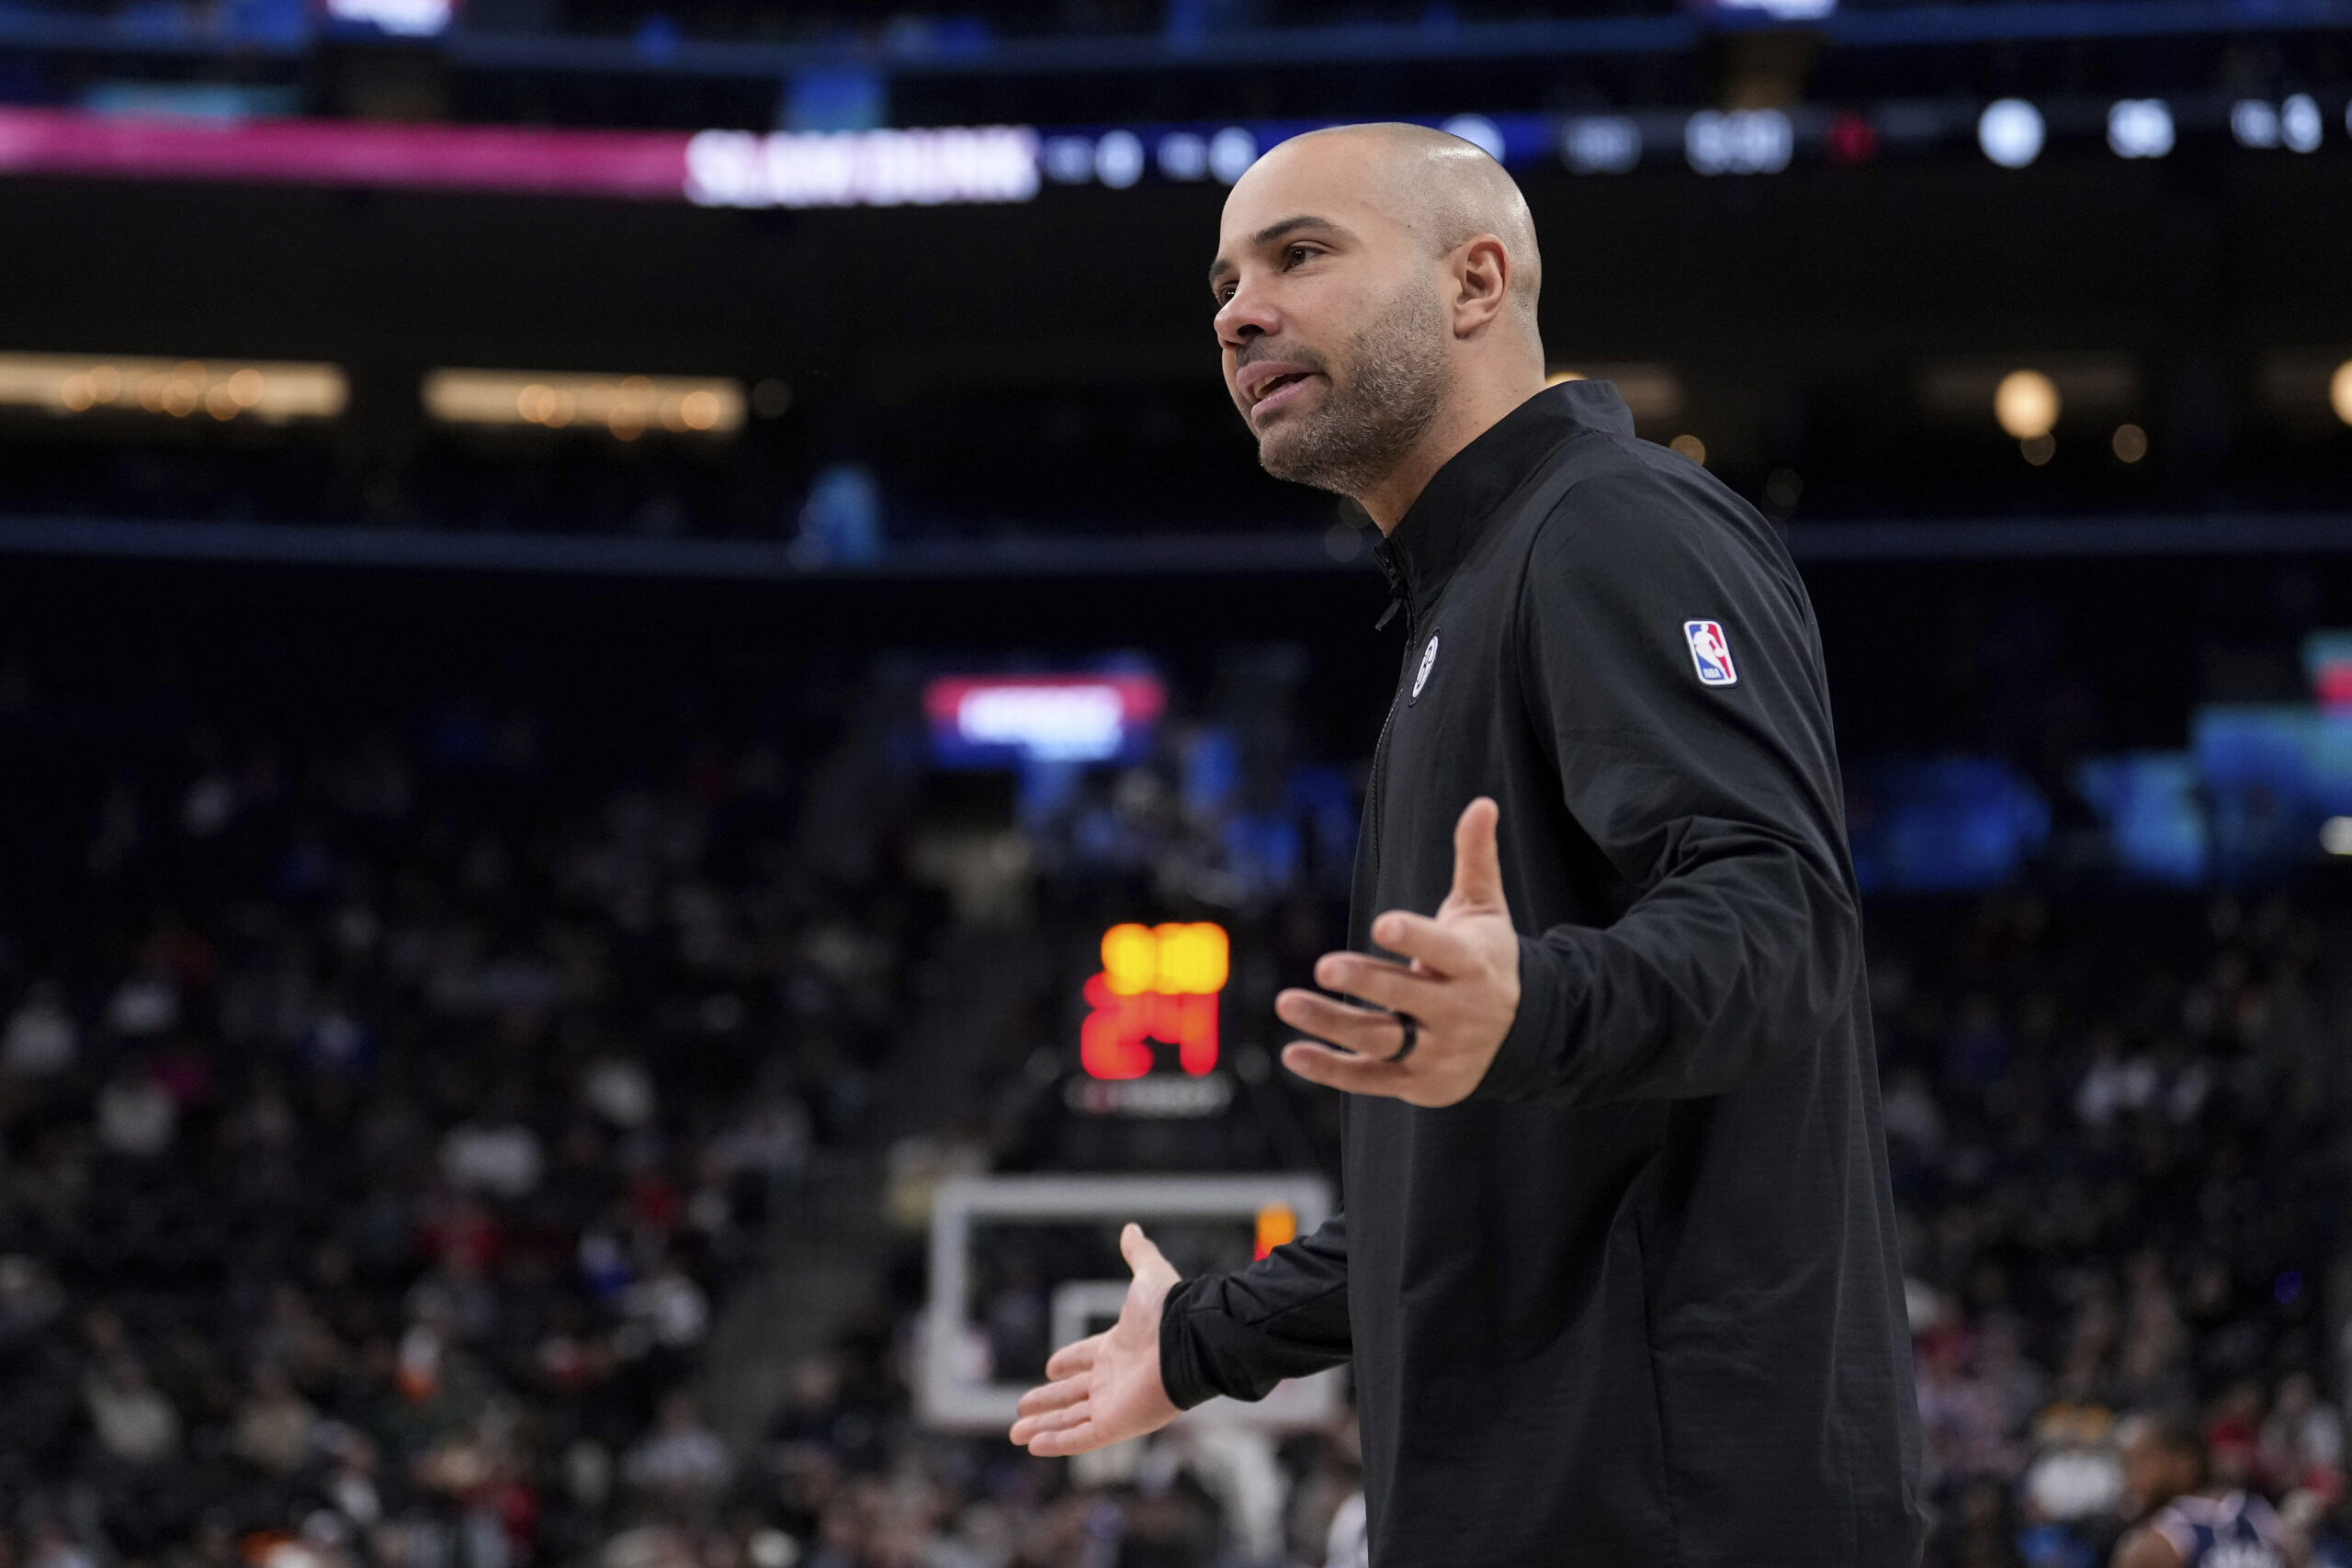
(1376, 288)
(1445, 189)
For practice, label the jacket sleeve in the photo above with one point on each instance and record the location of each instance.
(1718, 803)
(1241, 1333)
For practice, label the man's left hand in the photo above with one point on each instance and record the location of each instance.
(1460, 989)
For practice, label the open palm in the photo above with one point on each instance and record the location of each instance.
(1459, 988)
(1105, 1388)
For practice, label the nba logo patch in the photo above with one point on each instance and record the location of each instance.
(1710, 653)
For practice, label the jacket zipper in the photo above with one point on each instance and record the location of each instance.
(1378, 786)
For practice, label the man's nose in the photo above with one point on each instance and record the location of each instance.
(1243, 317)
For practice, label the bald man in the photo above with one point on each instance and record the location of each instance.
(1617, 1271)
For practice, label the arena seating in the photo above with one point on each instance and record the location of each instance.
(411, 1126)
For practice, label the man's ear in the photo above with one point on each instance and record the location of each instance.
(1482, 279)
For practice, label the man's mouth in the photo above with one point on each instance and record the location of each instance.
(1275, 390)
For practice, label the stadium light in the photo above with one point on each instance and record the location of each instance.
(1743, 141)
(2026, 403)
(2138, 128)
(627, 406)
(269, 392)
(1600, 144)
(1231, 152)
(2011, 132)
(2301, 124)
(2306, 386)
(2295, 125)
(1183, 156)
(1479, 131)
(1067, 160)
(1118, 159)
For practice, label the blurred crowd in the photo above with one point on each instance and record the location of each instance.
(2116, 1128)
(1003, 464)
(391, 1114)
(405, 1120)
(385, 1126)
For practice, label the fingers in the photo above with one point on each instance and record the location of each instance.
(1478, 865)
(1079, 1439)
(1074, 1358)
(1029, 1428)
(1138, 1251)
(1051, 1396)
(1061, 1420)
(1367, 1031)
(1337, 1069)
(1435, 948)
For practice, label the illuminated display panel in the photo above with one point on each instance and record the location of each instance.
(2327, 658)
(1158, 982)
(1277, 1226)
(1005, 720)
(402, 19)
(928, 167)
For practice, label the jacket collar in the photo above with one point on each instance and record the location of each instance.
(1463, 497)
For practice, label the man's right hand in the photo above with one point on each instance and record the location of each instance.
(1106, 1389)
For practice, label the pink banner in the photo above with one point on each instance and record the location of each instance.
(646, 166)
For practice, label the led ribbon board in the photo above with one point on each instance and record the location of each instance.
(921, 167)
(984, 721)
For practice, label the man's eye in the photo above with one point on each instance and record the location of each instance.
(1297, 253)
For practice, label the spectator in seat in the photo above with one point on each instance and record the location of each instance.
(681, 1463)
(133, 1421)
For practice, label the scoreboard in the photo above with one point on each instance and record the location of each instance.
(1149, 1041)
(1159, 984)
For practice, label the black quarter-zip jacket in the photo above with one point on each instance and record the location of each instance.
(1637, 1301)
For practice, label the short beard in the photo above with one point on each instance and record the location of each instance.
(1396, 377)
